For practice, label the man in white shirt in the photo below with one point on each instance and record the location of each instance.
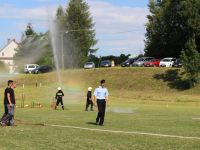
(101, 98)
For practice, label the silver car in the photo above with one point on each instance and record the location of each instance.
(89, 65)
(140, 62)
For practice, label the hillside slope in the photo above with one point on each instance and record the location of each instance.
(158, 84)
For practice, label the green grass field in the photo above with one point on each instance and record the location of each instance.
(142, 100)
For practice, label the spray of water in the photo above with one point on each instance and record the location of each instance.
(55, 42)
(63, 47)
(121, 110)
(35, 48)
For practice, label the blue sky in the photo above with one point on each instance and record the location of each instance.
(119, 23)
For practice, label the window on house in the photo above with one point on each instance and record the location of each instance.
(3, 54)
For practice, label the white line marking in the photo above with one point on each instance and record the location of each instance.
(196, 118)
(125, 132)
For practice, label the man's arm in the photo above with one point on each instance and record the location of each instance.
(107, 100)
(107, 97)
(9, 100)
(94, 100)
(56, 96)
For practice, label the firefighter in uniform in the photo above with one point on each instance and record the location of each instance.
(59, 98)
(89, 100)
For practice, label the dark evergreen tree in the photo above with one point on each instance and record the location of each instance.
(191, 61)
(29, 30)
(80, 33)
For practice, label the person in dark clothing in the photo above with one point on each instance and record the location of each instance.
(9, 104)
(101, 98)
(89, 100)
(59, 98)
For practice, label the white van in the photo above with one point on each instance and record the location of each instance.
(30, 67)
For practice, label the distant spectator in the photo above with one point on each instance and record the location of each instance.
(113, 63)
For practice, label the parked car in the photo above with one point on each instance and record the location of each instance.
(167, 62)
(128, 62)
(42, 69)
(140, 62)
(89, 65)
(152, 63)
(28, 68)
(177, 63)
(105, 63)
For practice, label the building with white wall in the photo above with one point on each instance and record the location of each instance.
(7, 53)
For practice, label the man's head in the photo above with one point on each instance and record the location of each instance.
(103, 83)
(14, 85)
(10, 82)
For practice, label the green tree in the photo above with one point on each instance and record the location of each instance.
(80, 33)
(34, 48)
(46, 55)
(190, 12)
(170, 25)
(60, 18)
(191, 61)
(29, 30)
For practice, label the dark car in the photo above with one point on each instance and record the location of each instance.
(42, 69)
(105, 63)
(128, 62)
(177, 63)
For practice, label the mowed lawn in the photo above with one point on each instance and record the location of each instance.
(149, 117)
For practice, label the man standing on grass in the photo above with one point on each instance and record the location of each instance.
(9, 104)
(101, 98)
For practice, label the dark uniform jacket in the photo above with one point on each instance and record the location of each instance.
(59, 95)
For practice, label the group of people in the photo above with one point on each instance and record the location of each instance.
(100, 98)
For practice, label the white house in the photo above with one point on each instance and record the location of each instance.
(7, 53)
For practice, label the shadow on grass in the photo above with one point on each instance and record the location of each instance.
(174, 79)
(92, 123)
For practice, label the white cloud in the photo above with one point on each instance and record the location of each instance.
(119, 29)
(40, 13)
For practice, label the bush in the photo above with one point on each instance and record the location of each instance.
(191, 62)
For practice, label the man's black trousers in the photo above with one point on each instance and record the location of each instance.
(101, 108)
